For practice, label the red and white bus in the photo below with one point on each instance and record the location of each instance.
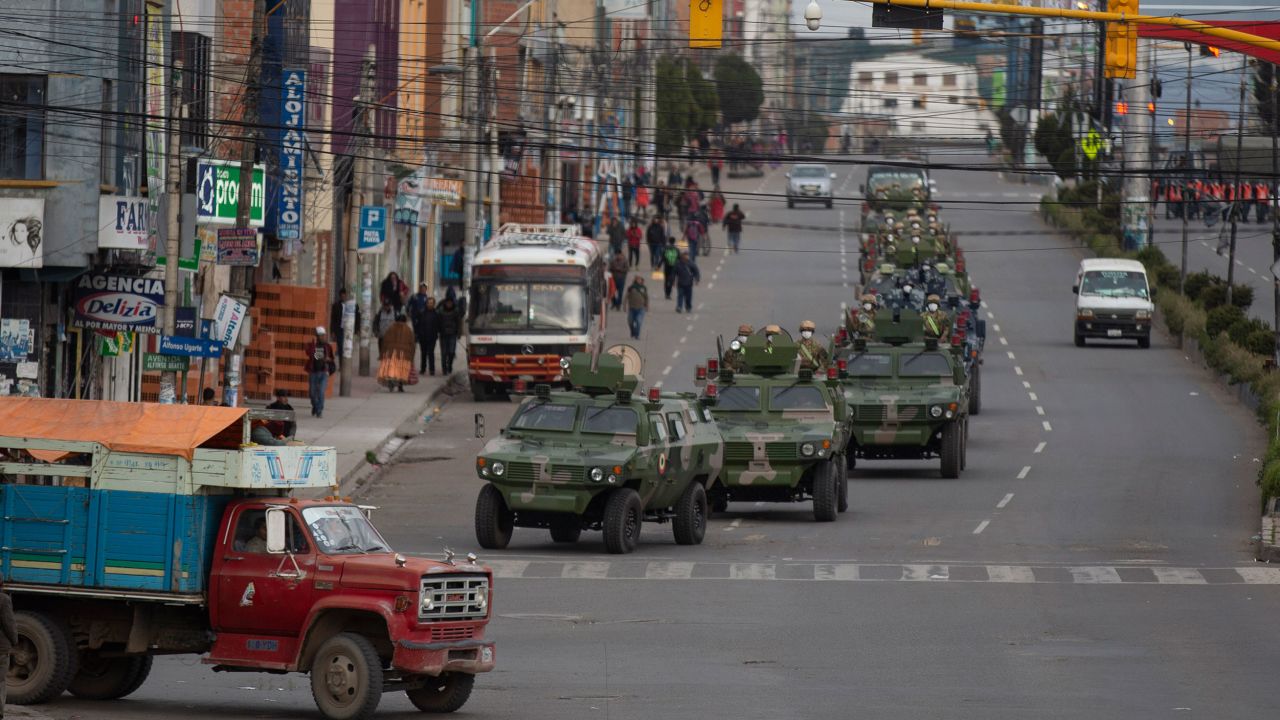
(538, 295)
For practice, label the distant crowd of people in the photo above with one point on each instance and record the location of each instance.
(1198, 197)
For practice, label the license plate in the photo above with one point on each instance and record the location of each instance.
(1113, 333)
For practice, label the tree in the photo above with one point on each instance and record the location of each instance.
(673, 103)
(739, 88)
(704, 110)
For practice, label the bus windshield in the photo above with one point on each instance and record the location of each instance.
(529, 306)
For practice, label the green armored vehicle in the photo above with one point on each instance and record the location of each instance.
(782, 430)
(600, 458)
(906, 400)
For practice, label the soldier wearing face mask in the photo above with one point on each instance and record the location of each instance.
(813, 356)
(732, 359)
(866, 318)
(937, 323)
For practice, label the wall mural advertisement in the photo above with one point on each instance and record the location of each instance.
(22, 232)
(118, 302)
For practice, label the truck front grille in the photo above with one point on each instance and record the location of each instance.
(458, 597)
(746, 452)
(880, 413)
(528, 472)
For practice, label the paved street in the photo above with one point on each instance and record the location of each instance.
(1092, 561)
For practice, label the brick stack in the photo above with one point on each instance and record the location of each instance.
(289, 314)
(521, 201)
(260, 366)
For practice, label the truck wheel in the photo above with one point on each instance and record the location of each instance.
(43, 661)
(842, 484)
(719, 501)
(623, 515)
(964, 446)
(975, 391)
(479, 391)
(690, 525)
(443, 694)
(826, 494)
(1144, 342)
(1079, 340)
(494, 522)
(566, 531)
(952, 447)
(346, 678)
(108, 678)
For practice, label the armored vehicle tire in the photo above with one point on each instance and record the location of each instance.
(690, 524)
(494, 522)
(952, 449)
(790, 203)
(1079, 340)
(719, 502)
(975, 391)
(346, 678)
(443, 694)
(567, 530)
(623, 516)
(42, 662)
(108, 678)
(826, 492)
(1144, 342)
(964, 446)
(829, 204)
(842, 485)
(850, 459)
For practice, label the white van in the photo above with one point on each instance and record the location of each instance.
(1113, 300)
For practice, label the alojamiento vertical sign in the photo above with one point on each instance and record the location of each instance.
(292, 119)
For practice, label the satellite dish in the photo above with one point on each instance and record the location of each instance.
(632, 363)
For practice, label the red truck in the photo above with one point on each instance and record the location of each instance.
(107, 569)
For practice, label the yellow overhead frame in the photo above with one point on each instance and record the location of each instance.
(1121, 52)
(706, 23)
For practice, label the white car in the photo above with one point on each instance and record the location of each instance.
(1113, 301)
(809, 183)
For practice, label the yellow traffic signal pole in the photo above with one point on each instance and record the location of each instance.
(1005, 9)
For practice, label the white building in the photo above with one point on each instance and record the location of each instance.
(765, 32)
(917, 96)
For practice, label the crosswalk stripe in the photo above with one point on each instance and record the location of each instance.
(925, 572)
(1095, 575)
(752, 571)
(836, 571)
(1260, 575)
(1178, 576)
(1010, 574)
(669, 571)
(508, 568)
(588, 570)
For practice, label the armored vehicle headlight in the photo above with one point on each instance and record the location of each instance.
(950, 414)
(597, 474)
(935, 411)
(498, 468)
(613, 479)
(806, 449)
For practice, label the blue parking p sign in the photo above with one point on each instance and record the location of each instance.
(373, 229)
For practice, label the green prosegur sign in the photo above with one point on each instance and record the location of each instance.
(218, 193)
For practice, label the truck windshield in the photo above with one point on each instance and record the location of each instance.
(545, 416)
(809, 171)
(924, 364)
(738, 398)
(1114, 283)
(612, 420)
(342, 530)
(864, 365)
(530, 306)
(800, 397)
(904, 180)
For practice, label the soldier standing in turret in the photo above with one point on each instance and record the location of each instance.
(937, 323)
(732, 359)
(813, 356)
(865, 321)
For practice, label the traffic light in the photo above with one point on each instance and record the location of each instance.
(1122, 41)
(1122, 107)
(1210, 51)
(1151, 108)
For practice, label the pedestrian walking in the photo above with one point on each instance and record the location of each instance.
(8, 638)
(450, 329)
(617, 236)
(319, 364)
(426, 329)
(335, 320)
(670, 258)
(637, 305)
(1262, 196)
(395, 355)
(714, 164)
(634, 235)
(660, 199)
(394, 291)
(715, 205)
(687, 276)
(628, 187)
(417, 303)
(694, 233)
(733, 225)
(383, 322)
(618, 269)
(656, 236)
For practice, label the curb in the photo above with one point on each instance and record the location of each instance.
(23, 711)
(364, 473)
(1268, 549)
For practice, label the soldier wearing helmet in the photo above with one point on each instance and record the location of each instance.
(937, 323)
(865, 319)
(813, 356)
(732, 359)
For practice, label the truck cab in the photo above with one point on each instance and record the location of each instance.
(132, 530)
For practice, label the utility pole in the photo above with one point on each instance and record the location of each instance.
(1137, 185)
(496, 166)
(472, 135)
(1152, 85)
(1186, 185)
(1275, 217)
(172, 246)
(248, 147)
(1234, 207)
(355, 271)
(551, 100)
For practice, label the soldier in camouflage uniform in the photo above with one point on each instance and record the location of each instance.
(865, 322)
(813, 356)
(937, 323)
(732, 359)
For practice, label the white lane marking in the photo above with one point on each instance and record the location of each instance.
(658, 384)
(675, 354)
(507, 568)
(981, 526)
(689, 327)
(989, 313)
(1204, 243)
(836, 571)
(715, 276)
(1047, 426)
(1260, 575)
(1033, 396)
(1240, 263)
(1039, 409)
(1040, 448)
(1017, 369)
(700, 308)
(734, 525)
(1022, 474)
(1011, 355)
(996, 328)
(711, 285)
(845, 283)
(1004, 501)
(1003, 341)
(1178, 576)
(916, 573)
(666, 370)
(585, 569)
(1010, 574)
(1026, 384)
(683, 338)
(669, 571)
(752, 571)
(1255, 272)
(1092, 575)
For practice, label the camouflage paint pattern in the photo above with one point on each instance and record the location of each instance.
(894, 411)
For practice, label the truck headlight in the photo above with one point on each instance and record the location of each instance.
(1084, 313)
(935, 411)
(498, 468)
(482, 599)
(806, 449)
(426, 605)
(1142, 315)
(597, 474)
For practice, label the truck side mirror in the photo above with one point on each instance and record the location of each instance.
(833, 176)
(479, 425)
(275, 530)
(1075, 289)
(862, 189)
